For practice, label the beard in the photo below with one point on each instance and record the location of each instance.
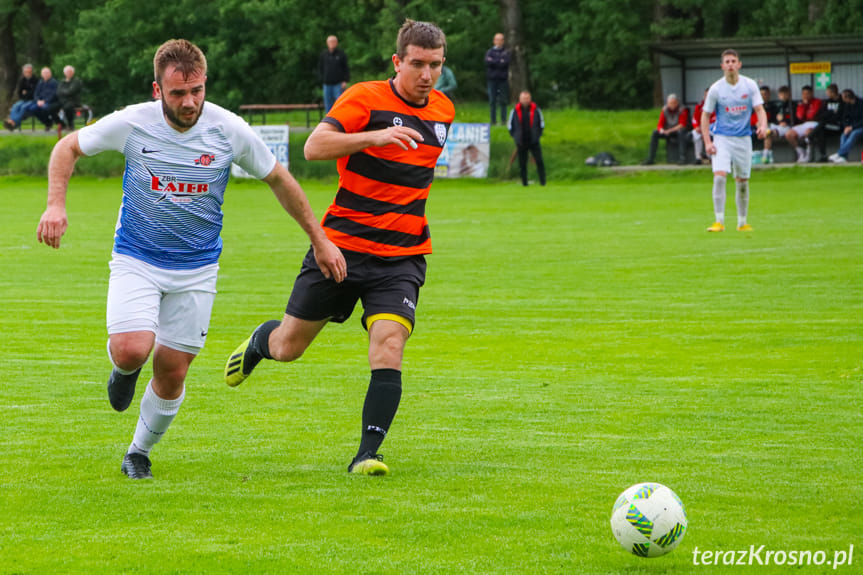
(175, 119)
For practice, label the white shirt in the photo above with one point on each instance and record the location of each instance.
(733, 105)
(174, 183)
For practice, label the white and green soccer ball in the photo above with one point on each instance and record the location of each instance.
(648, 520)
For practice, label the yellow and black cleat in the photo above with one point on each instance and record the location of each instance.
(235, 374)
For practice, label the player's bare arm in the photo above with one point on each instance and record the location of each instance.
(761, 130)
(709, 148)
(53, 223)
(289, 193)
(329, 143)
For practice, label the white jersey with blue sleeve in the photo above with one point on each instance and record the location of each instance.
(174, 183)
(733, 105)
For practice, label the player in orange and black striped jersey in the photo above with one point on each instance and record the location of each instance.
(387, 137)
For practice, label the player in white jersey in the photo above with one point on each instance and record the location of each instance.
(179, 152)
(733, 97)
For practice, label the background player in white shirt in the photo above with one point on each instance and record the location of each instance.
(733, 97)
(179, 152)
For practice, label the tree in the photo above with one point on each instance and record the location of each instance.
(510, 12)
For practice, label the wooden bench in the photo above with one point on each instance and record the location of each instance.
(252, 109)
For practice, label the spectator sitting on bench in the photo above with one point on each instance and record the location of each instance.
(24, 91)
(832, 112)
(770, 109)
(69, 96)
(778, 124)
(852, 126)
(805, 122)
(673, 125)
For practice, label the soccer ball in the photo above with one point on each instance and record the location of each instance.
(648, 520)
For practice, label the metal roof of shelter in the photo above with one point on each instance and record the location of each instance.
(767, 46)
(686, 66)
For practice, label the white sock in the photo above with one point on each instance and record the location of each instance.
(156, 415)
(122, 371)
(719, 198)
(742, 202)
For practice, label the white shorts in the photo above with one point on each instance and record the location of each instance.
(173, 304)
(801, 129)
(733, 151)
(779, 130)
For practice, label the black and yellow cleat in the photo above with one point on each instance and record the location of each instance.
(369, 464)
(240, 365)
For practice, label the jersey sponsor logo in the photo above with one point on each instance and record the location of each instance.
(144, 150)
(410, 304)
(440, 132)
(205, 160)
(735, 109)
(173, 188)
(397, 121)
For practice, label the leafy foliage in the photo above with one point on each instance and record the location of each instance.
(585, 52)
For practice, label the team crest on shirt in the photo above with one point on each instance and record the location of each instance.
(397, 121)
(440, 132)
(205, 160)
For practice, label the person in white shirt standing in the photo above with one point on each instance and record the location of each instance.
(733, 97)
(167, 243)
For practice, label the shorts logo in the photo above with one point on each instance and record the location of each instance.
(410, 304)
(397, 121)
(205, 160)
(440, 132)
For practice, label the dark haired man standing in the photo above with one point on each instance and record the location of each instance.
(497, 77)
(387, 137)
(167, 243)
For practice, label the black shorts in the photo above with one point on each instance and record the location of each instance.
(385, 286)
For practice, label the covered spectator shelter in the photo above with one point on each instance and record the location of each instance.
(688, 67)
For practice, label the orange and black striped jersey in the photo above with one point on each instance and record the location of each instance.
(380, 206)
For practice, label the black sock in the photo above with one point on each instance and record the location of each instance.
(379, 409)
(259, 345)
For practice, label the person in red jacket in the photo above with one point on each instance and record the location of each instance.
(673, 125)
(805, 122)
(525, 126)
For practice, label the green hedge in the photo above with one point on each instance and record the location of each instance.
(571, 136)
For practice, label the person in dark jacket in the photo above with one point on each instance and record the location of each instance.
(333, 72)
(44, 99)
(69, 96)
(24, 91)
(497, 77)
(525, 126)
(852, 126)
(830, 120)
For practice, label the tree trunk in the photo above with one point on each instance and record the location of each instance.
(519, 75)
(660, 13)
(8, 63)
(39, 14)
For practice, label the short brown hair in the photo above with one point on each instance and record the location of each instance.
(730, 52)
(421, 34)
(183, 55)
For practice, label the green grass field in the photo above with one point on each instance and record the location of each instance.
(572, 340)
